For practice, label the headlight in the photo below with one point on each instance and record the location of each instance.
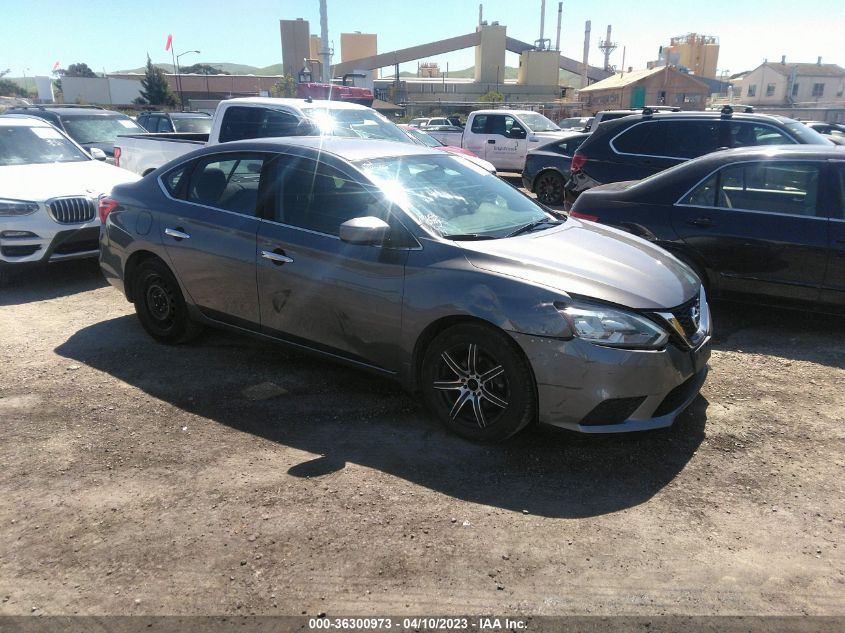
(613, 328)
(17, 207)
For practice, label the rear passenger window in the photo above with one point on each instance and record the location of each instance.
(789, 188)
(479, 124)
(242, 122)
(690, 139)
(227, 182)
(172, 179)
(636, 139)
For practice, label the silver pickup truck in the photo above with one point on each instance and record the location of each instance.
(259, 117)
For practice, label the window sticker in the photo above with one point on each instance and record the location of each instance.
(46, 132)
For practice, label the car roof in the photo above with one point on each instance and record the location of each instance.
(68, 111)
(23, 120)
(350, 149)
(302, 104)
(504, 111)
(781, 152)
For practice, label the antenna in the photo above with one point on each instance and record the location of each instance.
(607, 47)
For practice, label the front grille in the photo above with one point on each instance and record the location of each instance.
(684, 314)
(613, 411)
(72, 210)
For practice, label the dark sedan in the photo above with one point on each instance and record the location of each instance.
(547, 168)
(756, 223)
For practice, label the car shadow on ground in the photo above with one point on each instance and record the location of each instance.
(51, 281)
(343, 415)
(790, 334)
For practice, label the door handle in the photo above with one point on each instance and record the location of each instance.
(177, 233)
(703, 222)
(277, 256)
(491, 141)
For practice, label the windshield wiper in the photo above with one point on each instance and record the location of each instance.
(532, 225)
(466, 237)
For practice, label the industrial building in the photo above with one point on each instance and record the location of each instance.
(664, 85)
(697, 53)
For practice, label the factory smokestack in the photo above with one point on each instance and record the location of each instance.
(586, 54)
(542, 20)
(559, 18)
(325, 51)
(480, 14)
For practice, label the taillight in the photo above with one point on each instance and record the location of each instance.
(107, 205)
(578, 161)
(116, 156)
(583, 216)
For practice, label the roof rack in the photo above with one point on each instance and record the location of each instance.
(728, 110)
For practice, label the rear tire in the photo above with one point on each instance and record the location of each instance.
(549, 187)
(160, 305)
(477, 382)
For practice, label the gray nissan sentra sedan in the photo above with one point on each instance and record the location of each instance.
(420, 266)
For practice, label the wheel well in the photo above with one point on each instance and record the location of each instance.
(435, 328)
(131, 267)
(694, 261)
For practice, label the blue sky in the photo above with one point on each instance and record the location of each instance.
(116, 34)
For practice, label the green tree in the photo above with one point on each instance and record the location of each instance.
(285, 87)
(9, 88)
(76, 70)
(202, 69)
(155, 90)
(492, 96)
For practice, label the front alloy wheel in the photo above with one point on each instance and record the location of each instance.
(478, 383)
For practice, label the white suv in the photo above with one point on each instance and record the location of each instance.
(49, 188)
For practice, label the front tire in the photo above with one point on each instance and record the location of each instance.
(477, 382)
(160, 305)
(549, 187)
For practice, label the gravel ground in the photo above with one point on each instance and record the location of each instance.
(234, 477)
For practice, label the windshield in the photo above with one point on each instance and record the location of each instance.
(198, 125)
(806, 134)
(537, 122)
(99, 129)
(423, 138)
(452, 197)
(32, 145)
(356, 124)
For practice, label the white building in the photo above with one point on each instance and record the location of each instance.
(795, 85)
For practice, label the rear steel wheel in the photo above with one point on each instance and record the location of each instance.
(160, 305)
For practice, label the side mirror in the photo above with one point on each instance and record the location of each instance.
(517, 132)
(368, 230)
(97, 153)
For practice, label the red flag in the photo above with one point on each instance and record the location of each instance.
(169, 42)
(55, 66)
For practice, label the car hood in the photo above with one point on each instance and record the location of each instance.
(590, 260)
(42, 182)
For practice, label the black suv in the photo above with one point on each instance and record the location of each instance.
(90, 126)
(193, 122)
(637, 146)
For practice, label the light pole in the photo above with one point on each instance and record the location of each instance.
(179, 79)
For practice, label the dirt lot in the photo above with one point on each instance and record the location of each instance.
(138, 478)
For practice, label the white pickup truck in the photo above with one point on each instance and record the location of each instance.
(502, 137)
(259, 117)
